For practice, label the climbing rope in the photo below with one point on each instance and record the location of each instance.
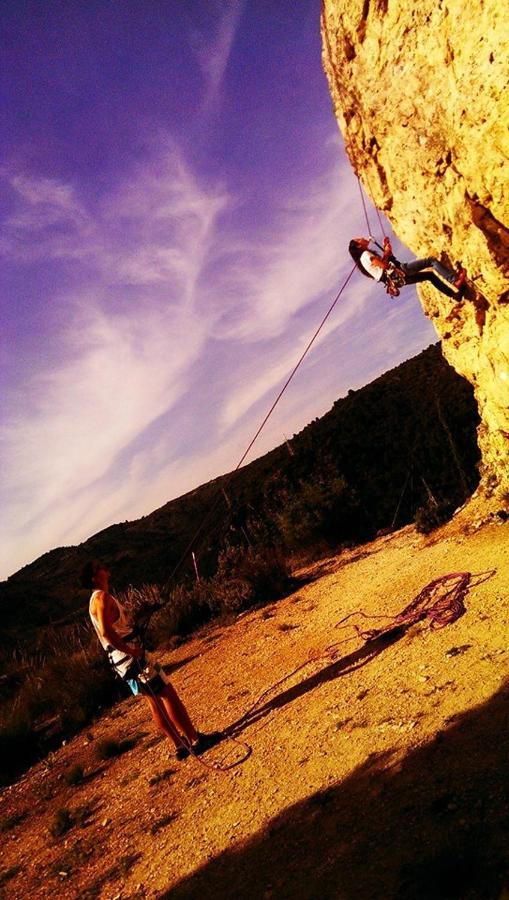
(206, 519)
(379, 217)
(442, 601)
(364, 206)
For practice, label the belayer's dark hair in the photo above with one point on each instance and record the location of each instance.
(87, 573)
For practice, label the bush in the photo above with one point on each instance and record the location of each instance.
(11, 821)
(7, 874)
(431, 515)
(62, 822)
(187, 608)
(74, 775)
(17, 742)
(66, 690)
(244, 578)
(323, 510)
(108, 748)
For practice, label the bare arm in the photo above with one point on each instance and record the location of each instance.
(104, 611)
(378, 262)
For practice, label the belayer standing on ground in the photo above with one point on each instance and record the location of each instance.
(126, 653)
(388, 270)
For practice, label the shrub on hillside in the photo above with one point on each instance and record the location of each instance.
(186, 609)
(248, 576)
(431, 515)
(74, 775)
(66, 690)
(62, 822)
(323, 510)
(244, 578)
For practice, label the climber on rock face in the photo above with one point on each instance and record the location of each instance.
(387, 269)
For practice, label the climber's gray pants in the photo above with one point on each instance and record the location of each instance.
(429, 263)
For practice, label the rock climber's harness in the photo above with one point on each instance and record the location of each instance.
(149, 675)
(394, 276)
(394, 279)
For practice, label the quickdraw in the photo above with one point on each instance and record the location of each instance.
(394, 279)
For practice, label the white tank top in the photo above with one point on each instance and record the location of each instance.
(375, 271)
(123, 628)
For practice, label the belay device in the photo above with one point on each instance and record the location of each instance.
(394, 279)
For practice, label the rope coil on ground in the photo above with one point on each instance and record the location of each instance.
(441, 601)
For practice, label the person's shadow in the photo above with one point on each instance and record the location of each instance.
(343, 666)
(356, 660)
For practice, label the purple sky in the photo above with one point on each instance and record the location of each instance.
(175, 205)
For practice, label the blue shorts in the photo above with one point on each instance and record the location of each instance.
(155, 686)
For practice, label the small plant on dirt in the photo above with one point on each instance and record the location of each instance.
(71, 860)
(74, 775)
(10, 822)
(161, 776)
(7, 874)
(62, 822)
(108, 748)
(162, 823)
(113, 874)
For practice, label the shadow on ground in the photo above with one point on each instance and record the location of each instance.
(170, 668)
(355, 660)
(432, 826)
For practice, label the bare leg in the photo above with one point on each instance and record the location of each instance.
(160, 717)
(177, 713)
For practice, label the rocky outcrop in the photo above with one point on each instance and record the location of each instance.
(420, 91)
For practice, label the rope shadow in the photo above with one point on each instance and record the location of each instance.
(428, 603)
(350, 663)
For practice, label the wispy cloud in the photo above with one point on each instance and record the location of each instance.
(169, 340)
(123, 352)
(212, 44)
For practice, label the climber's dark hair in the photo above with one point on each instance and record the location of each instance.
(355, 251)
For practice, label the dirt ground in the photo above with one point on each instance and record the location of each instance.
(377, 771)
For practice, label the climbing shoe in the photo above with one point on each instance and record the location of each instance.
(181, 753)
(206, 741)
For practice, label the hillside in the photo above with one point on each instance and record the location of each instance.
(375, 770)
(409, 433)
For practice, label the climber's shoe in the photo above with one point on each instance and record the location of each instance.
(455, 313)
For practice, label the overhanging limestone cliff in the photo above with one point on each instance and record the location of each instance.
(420, 91)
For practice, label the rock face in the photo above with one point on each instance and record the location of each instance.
(420, 91)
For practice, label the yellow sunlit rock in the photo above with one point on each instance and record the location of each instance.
(420, 94)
